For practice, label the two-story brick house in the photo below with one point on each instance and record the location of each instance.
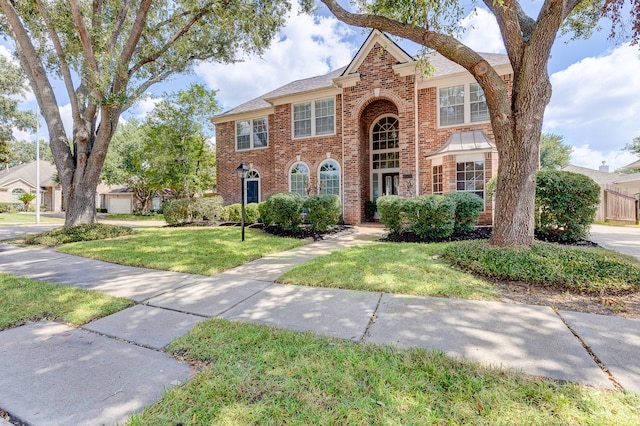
(374, 127)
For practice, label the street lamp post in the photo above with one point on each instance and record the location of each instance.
(242, 174)
(38, 165)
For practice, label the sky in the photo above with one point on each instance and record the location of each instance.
(596, 83)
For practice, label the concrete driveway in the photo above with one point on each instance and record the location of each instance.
(622, 239)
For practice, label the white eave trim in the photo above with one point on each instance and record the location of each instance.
(347, 80)
(459, 77)
(406, 69)
(256, 113)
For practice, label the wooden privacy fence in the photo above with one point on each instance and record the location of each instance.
(618, 206)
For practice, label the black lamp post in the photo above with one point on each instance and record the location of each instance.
(242, 174)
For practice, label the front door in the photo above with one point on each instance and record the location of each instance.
(252, 191)
(390, 183)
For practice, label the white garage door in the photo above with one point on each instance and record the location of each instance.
(119, 205)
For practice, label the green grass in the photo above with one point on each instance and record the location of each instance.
(401, 268)
(86, 232)
(22, 299)
(576, 269)
(27, 218)
(261, 375)
(197, 250)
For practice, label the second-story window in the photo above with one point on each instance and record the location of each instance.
(252, 134)
(314, 118)
(461, 104)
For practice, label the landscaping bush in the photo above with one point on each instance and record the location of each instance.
(232, 212)
(263, 210)
(391, 212)
(467, 211)
(430, 216)
(188, 210)
(285, 209)
(323, 211)
(10, 207)
(577, 269)
(86, 232)
(566, 205)
(252, 213)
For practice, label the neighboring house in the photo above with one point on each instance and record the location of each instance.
(17, 180)
(616, 189)
(115, 199)
(374, 127)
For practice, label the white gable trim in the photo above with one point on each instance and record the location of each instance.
(384, 41)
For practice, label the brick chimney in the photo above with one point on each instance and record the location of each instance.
(604, 167)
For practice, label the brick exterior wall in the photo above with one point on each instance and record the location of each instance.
(379, 92)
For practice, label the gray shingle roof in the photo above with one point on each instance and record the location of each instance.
(27, 173)
(442, 65)
(603, 178)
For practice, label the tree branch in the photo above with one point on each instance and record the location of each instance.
(508, 17)
(169, 43)
(117, 28)
(87, 48)
(64, 66)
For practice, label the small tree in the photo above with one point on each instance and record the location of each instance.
(27, 198)
(554, 153)
(566, 204)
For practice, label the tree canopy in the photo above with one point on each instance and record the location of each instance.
(107, 53)
(554, 153)
(12, 87)
(516, 106)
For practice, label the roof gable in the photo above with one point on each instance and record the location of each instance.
(377, 37)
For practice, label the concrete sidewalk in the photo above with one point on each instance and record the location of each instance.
(113, 367)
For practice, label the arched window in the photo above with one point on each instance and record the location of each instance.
(385, 157)
(252, 182)
(329, 178)
(299, 179)
(16, 193)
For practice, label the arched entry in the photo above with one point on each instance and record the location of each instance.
(385, 156)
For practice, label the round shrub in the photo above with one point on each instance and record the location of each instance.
(188, 210)
(468, 209)
(263, 210)
(251, 213)
(566, 204)
(232, 212)
(323, 211)
(391, 212)
(430, 216)
(285, 209)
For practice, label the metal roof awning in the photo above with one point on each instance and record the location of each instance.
(475, 140)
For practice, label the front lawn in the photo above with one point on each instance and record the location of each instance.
(261, 375)
(27, 218)
(23, 299)
(403, 268)
(195, 250)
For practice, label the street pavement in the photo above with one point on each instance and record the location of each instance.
(113, 367)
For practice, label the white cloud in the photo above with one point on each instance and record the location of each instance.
(595, 102)
(145, 105)
(585, 156)
(481, 32)
(307, 46)
(67, 119)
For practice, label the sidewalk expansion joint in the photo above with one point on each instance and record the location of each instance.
(145, 301)
(242, 301)
(594, 357)
(180, 311)
(372, 320)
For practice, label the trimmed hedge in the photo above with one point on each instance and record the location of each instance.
(233, 213)
(284, 209)
(566, 204)
(188, 210)
(10, 207)
(468, 209)
(430, 216)
(323, 211)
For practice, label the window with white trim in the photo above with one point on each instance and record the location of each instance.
(464, 103)
(329, 178)
(16, 193)
(252, 134)
(299, 179)
(470, 177)
(314, 118)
